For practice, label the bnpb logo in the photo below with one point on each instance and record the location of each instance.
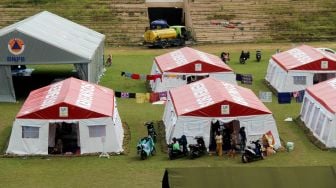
(16, 46)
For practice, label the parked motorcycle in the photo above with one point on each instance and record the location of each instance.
(182, 152)
(151, 130)
(146, 147)
(198, 149)
(258, 55)
(253, 154)
(243, 57)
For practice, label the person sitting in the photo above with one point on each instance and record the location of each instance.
(176, 145)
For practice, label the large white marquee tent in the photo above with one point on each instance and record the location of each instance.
(90, 109)
(191, 108)
(318, 111)
(46, 38)
(302, 66)
(178, 66)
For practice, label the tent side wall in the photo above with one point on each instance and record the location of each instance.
(258, 125)
(95, 144)
(96, 66)
(191, 126)
(7, 93)
(169, 118)
(39, 146)
(114, 134)
(229, 77)
(319, 120)
(29, 146)
(172, 80)
(283, 81)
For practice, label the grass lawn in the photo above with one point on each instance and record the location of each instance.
(128, 170)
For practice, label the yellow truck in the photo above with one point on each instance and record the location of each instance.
(172, 36)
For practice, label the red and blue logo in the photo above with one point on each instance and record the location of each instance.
(16, 46)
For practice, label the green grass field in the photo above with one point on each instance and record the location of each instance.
(128, 170)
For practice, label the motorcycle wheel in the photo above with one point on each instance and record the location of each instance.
(245, 159)
(153, 152)
(170, 155)
(164, 44)
(143, 155)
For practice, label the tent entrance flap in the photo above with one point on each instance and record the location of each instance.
(64, 138)
(229, 131)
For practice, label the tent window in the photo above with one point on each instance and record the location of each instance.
(304, 108)
(319, 124)
(97, 131)
(299, 80)
(308, 116)
(326, 131)
(30, 132)
(316, 117)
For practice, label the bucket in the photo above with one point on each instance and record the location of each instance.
(290, 146)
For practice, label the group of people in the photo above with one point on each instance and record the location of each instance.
(227, 140)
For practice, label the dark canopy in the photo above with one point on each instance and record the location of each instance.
(259, 177)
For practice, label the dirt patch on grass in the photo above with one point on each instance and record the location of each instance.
(161, 136)
(127, 138)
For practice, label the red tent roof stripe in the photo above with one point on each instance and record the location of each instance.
(206, 97)
(305, 58)
(325, 94)
(82, 99)
(177, 61)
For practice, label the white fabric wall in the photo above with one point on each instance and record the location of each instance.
(168, 83)
(23, 146)
(191, 126)
(117, 125)
(283, 81)
(27, 146)
(229, 77)
(95, 144)
(319, 120)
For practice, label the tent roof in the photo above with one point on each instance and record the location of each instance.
(305, 58)
(83, 100)
(206, 97)
(59, 32)
(325, 94)
(184, 60)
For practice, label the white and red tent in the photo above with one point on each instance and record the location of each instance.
(190, 109)
(297, 68)
(178, 66)
(318, 111)
(89, 109)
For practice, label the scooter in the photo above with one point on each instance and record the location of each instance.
(243, 57)
(146, 147)
(199, 149)
(258, 55)
(173, 154)
(252, 154)
(151, 130)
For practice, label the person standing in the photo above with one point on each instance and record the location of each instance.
(242, 134)
(108, 60)
(232, 152)
(219, 142)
